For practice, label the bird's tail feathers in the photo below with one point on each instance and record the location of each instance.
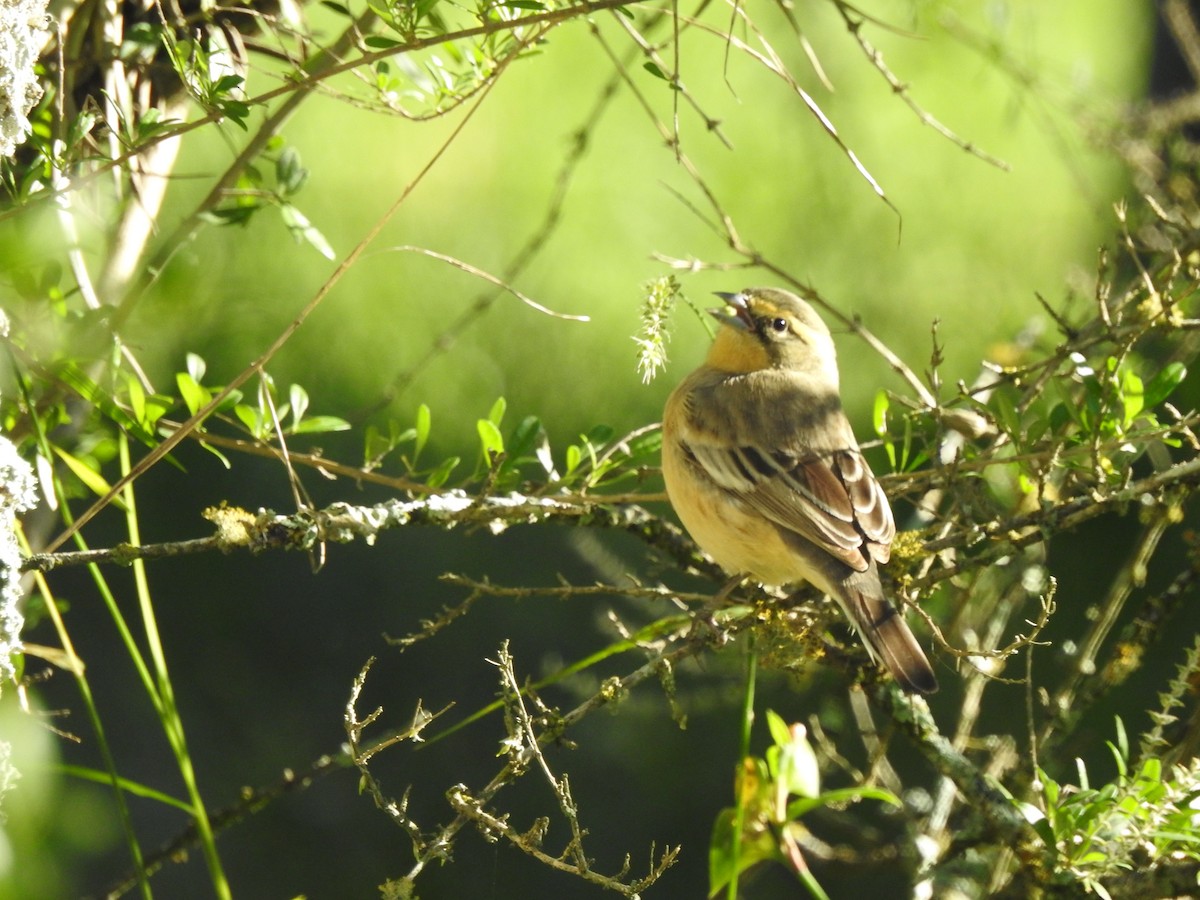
(887, 637)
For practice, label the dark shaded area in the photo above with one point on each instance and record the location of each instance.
(262, 654)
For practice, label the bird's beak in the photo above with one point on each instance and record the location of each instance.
(740, 319)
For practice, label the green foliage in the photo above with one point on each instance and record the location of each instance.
(773, 793)
(254, 191)
(913, 452)
(1094, 408)
(519, 459)
(1143, 818)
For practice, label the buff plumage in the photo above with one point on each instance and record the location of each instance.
(764, 471)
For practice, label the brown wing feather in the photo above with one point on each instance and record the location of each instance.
(833, 500)
(872, 513)
(825, 493)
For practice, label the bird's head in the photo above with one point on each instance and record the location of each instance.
(768, 328)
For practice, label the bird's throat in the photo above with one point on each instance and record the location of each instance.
(737, 351)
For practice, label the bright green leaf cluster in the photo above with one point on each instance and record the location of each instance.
(773, 793)
(420, 82)
(1115, 397)
(913, 453)
(379, 446)
(255, 191)
(208, 70)
(520, 457)
(525, 458)
(267, 417)
(1139, 819)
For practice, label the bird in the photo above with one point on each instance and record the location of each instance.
(763, 469)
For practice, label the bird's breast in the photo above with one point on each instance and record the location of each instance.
(741, 541)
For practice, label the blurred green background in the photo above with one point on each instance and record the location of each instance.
(969, 238)
(263, 652)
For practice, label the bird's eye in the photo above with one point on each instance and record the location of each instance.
(779, 326)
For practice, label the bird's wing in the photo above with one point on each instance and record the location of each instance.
(832, 499)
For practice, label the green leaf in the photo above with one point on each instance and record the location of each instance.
(1133, 395)
(218, 454)
(140, 36)
(490, 437)
(1151, 769)
(290, 174)
(599, 435)
(424, 422)
(135, 788)
(338, 8)
(145, 410)
(649, 444)
(850, 794)
(524, 437)
(574, 456)
(378, 42)
(236, 112)
(1038, 426)
(156, 407)
(780, 733)
(230, 401)
(879, 420)
(1163, 384)
(250, 179)
(250, 417)
(196, 367)
(797, 772)
(137, 399)
(1180, 837)
(232, 215)
(810, 883)
(303, 230)
(1121, 748)
(1045, 831)
(879, 413)
(375, 445)
(730, 854)
(298, 400)
(441, 474)
(227, 83)
(195, 397)
(656, 71)
(1006, 413)
(92, 480)
(1049, 789)
(723, 862)
(525, 441)
(321, 424)
(907, 464)
(1062, 416)
(496, 414)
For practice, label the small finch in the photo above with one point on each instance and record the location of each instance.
(763, 469)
